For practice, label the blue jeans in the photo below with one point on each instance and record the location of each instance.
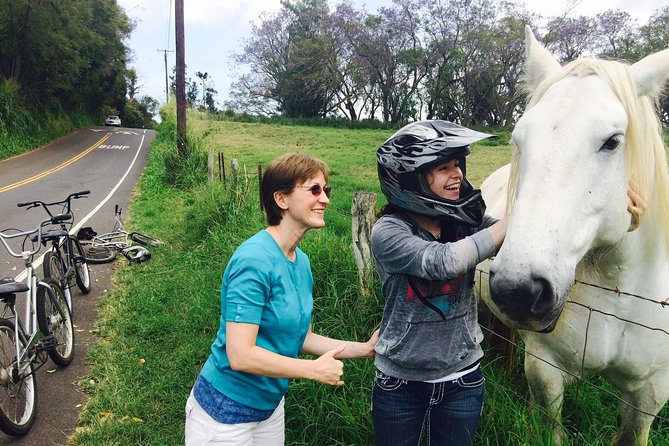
(449, 412)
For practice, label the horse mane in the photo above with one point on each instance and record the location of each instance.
(646, 160)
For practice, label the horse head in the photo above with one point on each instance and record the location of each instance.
(588, 129)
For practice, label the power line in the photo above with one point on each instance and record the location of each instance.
(169, 24)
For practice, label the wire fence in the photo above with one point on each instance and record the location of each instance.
(579, 378)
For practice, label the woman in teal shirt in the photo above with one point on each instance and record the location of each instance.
(266, 306)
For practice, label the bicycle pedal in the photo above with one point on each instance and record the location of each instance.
(46, 343)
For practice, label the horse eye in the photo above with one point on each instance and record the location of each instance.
(611, 144)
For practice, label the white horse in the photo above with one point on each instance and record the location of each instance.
(589, 128)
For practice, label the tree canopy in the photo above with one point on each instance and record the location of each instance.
(66, 56)
(451, 59)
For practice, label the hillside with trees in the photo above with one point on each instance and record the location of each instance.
(64, 64)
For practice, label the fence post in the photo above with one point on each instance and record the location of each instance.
(235, 170)
(363, 210)
(221, 166)
(210, 166)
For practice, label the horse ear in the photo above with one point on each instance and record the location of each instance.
(651, 73)
(539, 62)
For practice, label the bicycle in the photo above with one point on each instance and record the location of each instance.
(45, 328)
(103, 248)
(65, 261)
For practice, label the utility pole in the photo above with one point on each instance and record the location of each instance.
(180, 77)
(167, 89)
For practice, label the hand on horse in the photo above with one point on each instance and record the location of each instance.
(636, 205)
(498, 230)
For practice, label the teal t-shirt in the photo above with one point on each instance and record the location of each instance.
(261, 286)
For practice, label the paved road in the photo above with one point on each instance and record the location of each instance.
(108, 162)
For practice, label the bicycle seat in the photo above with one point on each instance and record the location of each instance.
(9, 286)
(50, 235)
(61, 218)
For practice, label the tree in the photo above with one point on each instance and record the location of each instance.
(569, 38)
(388, 48)
(209, 101)
(131, 83)
(65, 55)
(192, 91)
(140, 113)
(351, 95)
(615, 35)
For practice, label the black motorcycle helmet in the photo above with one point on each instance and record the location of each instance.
(413, 150)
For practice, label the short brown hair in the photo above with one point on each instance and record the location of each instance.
(282, 175)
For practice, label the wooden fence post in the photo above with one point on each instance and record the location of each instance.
(210, 166)
(221, 166)
(363, 210)
(235, 170)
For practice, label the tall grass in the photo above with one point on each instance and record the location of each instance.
(157, 325)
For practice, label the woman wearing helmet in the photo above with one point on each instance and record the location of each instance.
(426, 245)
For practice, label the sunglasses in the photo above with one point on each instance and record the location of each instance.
(316, 190)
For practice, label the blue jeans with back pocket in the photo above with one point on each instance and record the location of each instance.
(449, 412)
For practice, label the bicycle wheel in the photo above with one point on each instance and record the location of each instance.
(54, 267)
(18, 398)
(98, 254)
(81, 273)
(54, 318)
(144, 239)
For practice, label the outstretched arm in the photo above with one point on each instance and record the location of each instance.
(316, 345)
(246, 356)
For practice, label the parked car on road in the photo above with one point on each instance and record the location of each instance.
(113, 120)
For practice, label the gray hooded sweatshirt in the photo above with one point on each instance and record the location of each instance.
(418, 341)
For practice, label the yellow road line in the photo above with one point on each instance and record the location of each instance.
(57, 168)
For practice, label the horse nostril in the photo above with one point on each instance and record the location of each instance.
(544, 297)
(528, 301)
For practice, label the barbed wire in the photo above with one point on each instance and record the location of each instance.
(579, 381)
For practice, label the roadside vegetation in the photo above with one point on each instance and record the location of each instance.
(157, 324)
(73, 78)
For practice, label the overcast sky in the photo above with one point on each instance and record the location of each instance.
(214, 30)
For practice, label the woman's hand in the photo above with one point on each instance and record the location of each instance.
(498, 231)
(327, 369)
(636, 206)
(372, 342)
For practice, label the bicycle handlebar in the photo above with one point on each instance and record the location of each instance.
(36, 246)
(65, 203)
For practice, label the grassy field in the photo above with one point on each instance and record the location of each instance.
(156, 326)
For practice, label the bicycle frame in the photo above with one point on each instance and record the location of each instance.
(104, 247)
(29, 331)
(62, 244)
(117, 238)
(44, 330)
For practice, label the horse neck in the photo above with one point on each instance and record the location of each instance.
(635, 261)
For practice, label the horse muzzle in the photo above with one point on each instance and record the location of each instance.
(525, 301)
